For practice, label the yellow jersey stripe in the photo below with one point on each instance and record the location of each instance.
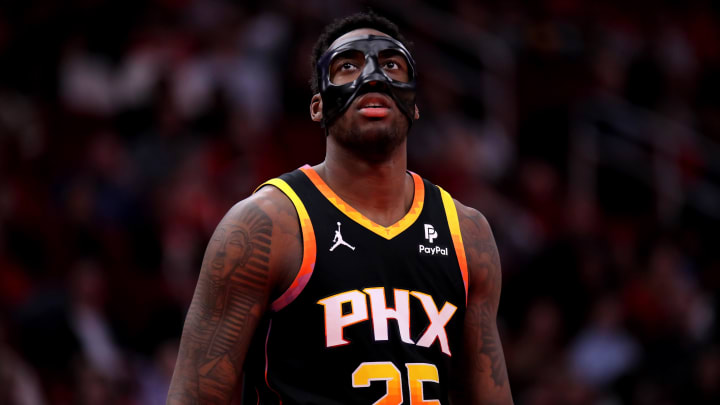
(452, 217)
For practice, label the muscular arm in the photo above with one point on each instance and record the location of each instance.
(243, 265)
(482, 376)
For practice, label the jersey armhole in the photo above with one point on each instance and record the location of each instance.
(309, 250)
(454, 224)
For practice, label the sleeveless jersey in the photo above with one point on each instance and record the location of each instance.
(375, 313)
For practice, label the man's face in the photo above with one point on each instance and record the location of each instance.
(373, 122)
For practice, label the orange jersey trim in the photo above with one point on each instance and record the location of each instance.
(309, 249)
(388, 232)
(453, 223)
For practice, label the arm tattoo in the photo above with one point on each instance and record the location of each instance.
(484, 259)
(228, 300)
(488, 345)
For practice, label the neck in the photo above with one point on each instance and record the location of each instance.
(378, 187)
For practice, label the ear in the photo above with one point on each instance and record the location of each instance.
(417, 113)
(316, 108)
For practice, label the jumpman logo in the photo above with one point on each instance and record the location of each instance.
(338, 240)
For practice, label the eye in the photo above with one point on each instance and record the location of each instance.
(347, 66)
(391, 65)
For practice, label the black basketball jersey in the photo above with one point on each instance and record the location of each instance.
(375, 313)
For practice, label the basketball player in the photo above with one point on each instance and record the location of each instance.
(353, 281)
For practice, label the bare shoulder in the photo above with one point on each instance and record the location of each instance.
(270, 201)
(472, 222)
(269, 217)
(480, 248)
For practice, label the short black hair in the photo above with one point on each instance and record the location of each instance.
(342, 26)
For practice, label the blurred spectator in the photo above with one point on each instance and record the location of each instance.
(18, 383)
(603, 351)
(155, 376)
(539, 346)
(88, 321)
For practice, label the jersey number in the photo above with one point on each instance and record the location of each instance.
(386, 371)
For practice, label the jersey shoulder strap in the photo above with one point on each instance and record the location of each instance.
(456, 235)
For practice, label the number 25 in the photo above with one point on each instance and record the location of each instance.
(386, 371)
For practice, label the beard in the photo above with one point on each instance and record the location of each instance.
(373, 140)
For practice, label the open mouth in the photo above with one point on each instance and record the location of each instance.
(374, 106)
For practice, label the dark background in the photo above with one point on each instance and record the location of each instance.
(588, 134)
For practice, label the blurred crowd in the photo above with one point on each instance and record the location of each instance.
(588, 134)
